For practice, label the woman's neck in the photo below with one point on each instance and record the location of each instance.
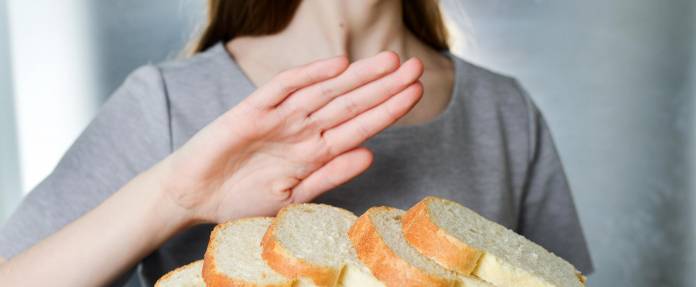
(358, 29)
(326, 28)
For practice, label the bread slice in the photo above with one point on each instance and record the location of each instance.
(461, 240)
(184, 276)
(233, 257)
(380, 245)
(310, 242)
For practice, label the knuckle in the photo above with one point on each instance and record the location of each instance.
(293, 111)
(390, 112)
(310, 155)
(393, 83)
(330, 182)
(353, 76)
(404, 82)
(386, 86)
(283, 76)
(311, 123)
(282, 88)
(397, 84)
(282, 82)
(304, 170)
(324, 153)
(349, 106)
(311, 77)
(325, 90)
(306, 74)
(362, 131)
(296, 107)
(324, 150)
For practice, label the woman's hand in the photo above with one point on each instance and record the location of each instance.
(292, 139)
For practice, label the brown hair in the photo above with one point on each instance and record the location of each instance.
(228, 19)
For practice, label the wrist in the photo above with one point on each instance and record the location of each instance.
(162, 212)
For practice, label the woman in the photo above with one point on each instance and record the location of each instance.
(217, 137)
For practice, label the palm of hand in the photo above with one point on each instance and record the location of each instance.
(292, 139)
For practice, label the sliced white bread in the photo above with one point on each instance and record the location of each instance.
(184, 276)
(470, 281)
(381, 246)
(309, 242)
(461, 240)
(233, 257)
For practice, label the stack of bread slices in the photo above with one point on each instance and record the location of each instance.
(436, 242)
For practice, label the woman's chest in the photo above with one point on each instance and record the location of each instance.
(409, 165)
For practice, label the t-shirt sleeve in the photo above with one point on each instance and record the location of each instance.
(129, 134)
(549, 217)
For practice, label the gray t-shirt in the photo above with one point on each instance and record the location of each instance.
(489, 150)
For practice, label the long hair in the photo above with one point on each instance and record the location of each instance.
(228, 19)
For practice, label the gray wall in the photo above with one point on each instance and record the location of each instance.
(692, 143)
(9, 163)
(613, 79)
(130, 33)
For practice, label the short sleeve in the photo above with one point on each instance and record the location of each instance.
(129, 134)
(549, 217)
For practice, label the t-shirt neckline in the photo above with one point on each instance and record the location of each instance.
(409, 129)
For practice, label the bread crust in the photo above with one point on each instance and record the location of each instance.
(435, 243)
(171, 273)
(426, 236)
(213, 278)
(283, 262)
(386, 265)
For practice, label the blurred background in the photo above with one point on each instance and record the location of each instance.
(616, 80)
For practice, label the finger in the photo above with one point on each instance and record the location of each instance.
(358, 74)
(275, 91)
(334, 173)
(356, 130)
(366, 97)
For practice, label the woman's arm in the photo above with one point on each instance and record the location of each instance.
(102, 244)
(294, 138)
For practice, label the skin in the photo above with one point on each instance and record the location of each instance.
(358, 29)
(297, 136)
